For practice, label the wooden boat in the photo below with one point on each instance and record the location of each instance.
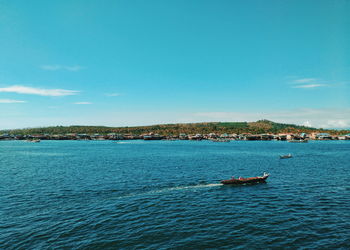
(251, 180)
(286, 156)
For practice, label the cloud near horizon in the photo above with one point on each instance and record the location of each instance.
(38, 91)
(61, 67)
(309, 86)
(82, 103)
(319, 118)
(305, 80)
(11, 101)
(113, 94)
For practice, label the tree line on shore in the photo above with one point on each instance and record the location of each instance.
(259, 127)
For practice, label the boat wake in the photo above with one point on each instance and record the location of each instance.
(182, 188)
(171, 189)
(188, 187)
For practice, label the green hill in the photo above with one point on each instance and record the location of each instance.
(258, 127)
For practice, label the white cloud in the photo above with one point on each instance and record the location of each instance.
(341, 123)
(312, 83)
(82, 103)
(309, 86)
(38, 91)
(113, 94)
(11, 101)
(307, 124)
(61, 67)
(305, 80)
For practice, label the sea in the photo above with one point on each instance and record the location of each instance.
(167, 195)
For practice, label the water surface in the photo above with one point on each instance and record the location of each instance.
(166, 194)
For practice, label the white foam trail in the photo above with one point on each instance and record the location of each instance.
(206, 185)
(164, 190)
(185, 188)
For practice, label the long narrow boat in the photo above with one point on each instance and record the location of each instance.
(250, 180)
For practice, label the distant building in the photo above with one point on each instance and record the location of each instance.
(281, 137)
(267, 137)
(253, 137)
(152, 136)
(313, 135)
(183, 136)
(303, 135)
(5, 137)
(83, 137)
(323, 136)
(196, 137)
(212, 135)
(224, 135)
(339, 137)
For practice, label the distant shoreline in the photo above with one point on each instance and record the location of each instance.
(290, 137)
(262, 130)
(204, 128)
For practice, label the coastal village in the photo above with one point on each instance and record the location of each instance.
(262, 130)
(291, 137)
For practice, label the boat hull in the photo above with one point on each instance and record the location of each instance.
(285, 156)
(241, 181)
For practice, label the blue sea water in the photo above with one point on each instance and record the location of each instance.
(166, 194)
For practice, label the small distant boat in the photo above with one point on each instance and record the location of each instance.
(33, 140)
(250, 180)
(286, 156)
(220, 140)
(298, 141)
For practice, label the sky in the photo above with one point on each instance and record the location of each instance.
(129, 63)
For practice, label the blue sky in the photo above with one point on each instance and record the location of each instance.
(120, 63)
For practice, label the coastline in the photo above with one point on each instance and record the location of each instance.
(293, 138)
